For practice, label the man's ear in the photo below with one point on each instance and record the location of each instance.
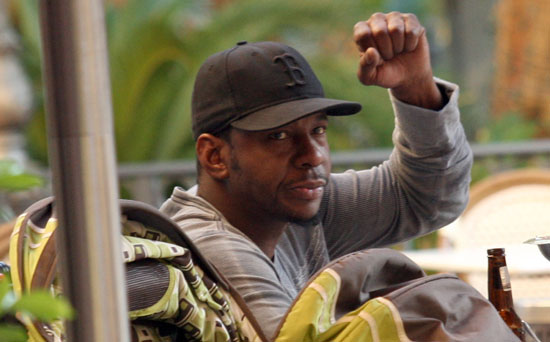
(211, 154)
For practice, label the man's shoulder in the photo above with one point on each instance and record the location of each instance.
(196, 217)
(186, 206)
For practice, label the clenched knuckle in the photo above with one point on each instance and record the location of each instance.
(417, 30)
(396, 29)
(360, 37)
(413, 31)
(358, 25)
(410, 16)
(378, 32)
(377, 15)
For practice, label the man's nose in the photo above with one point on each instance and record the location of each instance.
(310, 153)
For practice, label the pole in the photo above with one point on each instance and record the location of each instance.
(83, 164)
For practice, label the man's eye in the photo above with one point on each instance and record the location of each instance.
(278, 135)
(319, 130)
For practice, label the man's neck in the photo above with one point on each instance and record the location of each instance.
(263, 231)
(265, 238)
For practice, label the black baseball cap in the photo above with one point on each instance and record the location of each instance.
(258, 86)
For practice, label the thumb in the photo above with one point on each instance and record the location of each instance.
(369, 61)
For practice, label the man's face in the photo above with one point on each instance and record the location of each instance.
(281, 174)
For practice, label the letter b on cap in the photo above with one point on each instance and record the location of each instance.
(292, 68)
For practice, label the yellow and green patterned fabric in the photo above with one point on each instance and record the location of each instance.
(177, 290)
(380, 295)
(171, 298)
(376, 320)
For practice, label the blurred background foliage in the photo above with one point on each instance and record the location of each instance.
(13, 178)
(156, 47)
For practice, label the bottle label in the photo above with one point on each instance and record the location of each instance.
(505, 278)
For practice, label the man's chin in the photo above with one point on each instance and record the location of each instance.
(306, 222)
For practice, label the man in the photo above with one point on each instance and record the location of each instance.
(267, 211)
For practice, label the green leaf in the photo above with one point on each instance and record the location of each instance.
(9, 167)
(13, 178)
(4, 293)
(44, 307)
(7, 297)
(20, 182)
(12, 333)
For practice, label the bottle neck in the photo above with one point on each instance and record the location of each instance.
(500, 290)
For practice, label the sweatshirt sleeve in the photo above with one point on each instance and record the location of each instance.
(422, 187)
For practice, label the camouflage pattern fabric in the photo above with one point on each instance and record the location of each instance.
(170, 297)
(187, 299)
(29, 248)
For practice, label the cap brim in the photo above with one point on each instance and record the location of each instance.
(286, 112)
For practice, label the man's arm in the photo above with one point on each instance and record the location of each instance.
(425, 183)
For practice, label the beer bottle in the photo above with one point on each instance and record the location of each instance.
(500, 291)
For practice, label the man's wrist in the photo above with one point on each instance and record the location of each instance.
(421, 94)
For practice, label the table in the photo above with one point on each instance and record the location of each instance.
(529, 274)
(521, 259)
